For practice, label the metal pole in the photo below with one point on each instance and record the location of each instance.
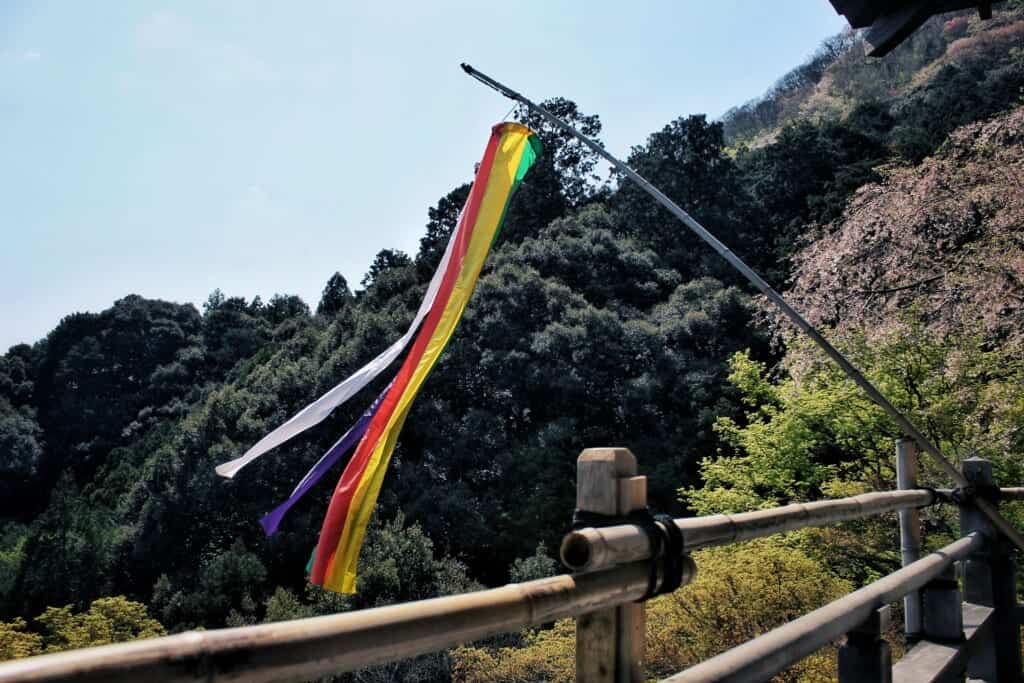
(736, 262)
(910, 532)
(777, 650)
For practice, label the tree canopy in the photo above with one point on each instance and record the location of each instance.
(598, 320)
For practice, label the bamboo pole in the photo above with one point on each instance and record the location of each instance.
(777, 650)
(591, 549)
(319, 646)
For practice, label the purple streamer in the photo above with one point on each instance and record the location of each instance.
(272, 519)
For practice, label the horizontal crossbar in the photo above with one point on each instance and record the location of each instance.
(763, 657)
(591, 549)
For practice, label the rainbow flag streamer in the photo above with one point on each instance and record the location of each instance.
(511, 151)
(317, 411)
(272, 519)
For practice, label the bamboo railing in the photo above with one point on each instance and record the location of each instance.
(954, 633)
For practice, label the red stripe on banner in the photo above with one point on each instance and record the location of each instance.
(337, 511)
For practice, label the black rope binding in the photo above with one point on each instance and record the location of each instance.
(965, 495)
(666, 540)
(937, 495)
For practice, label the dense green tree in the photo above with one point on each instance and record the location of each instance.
(441, 224)
(20, 455)
(231, 331)
(391, 278)
(12, 553)
(573, 163)
(806, 176)
(283, 307)
(686, 160)
(93, 376)
(598, 319)
(336, 297)
(17, 375)
(229, 583)
(540, 565)
(74, 540)
(386, 261)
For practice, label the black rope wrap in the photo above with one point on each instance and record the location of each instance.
(666, 540)
(968, 494)
(965, 495)
(937, 495)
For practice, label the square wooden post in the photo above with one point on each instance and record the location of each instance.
(865, 657)
(610, 642)
(990, 580)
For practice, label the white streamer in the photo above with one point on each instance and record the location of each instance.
(319, 409)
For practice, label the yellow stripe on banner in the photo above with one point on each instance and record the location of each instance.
(341, 572)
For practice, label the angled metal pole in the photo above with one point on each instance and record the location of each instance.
(736, 262)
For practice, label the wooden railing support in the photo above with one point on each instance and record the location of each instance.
(773, 652)
(942, 616)
(865, 657)
(979, 637)
(989, 580)
(610, 642)
(910, 533)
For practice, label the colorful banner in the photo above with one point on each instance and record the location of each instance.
(510, 152)
(318, 410)
(272, 519)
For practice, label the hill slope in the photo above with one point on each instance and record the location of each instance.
(597, 321)
(939, 63)
(946, 237)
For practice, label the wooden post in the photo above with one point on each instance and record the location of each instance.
(989, 580)
(610, 642)
(865, 657)
(910, 533)
(942, 618)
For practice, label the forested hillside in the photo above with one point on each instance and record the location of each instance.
(884, 194)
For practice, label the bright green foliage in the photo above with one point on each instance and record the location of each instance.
(812, 431)
(740, 592)
(598, 320)
(538, 566)
(108, 620)
(547, 655)
(17, 641)
(812, 434)
(284, 605)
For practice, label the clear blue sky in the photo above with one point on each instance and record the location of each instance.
(167, 149)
